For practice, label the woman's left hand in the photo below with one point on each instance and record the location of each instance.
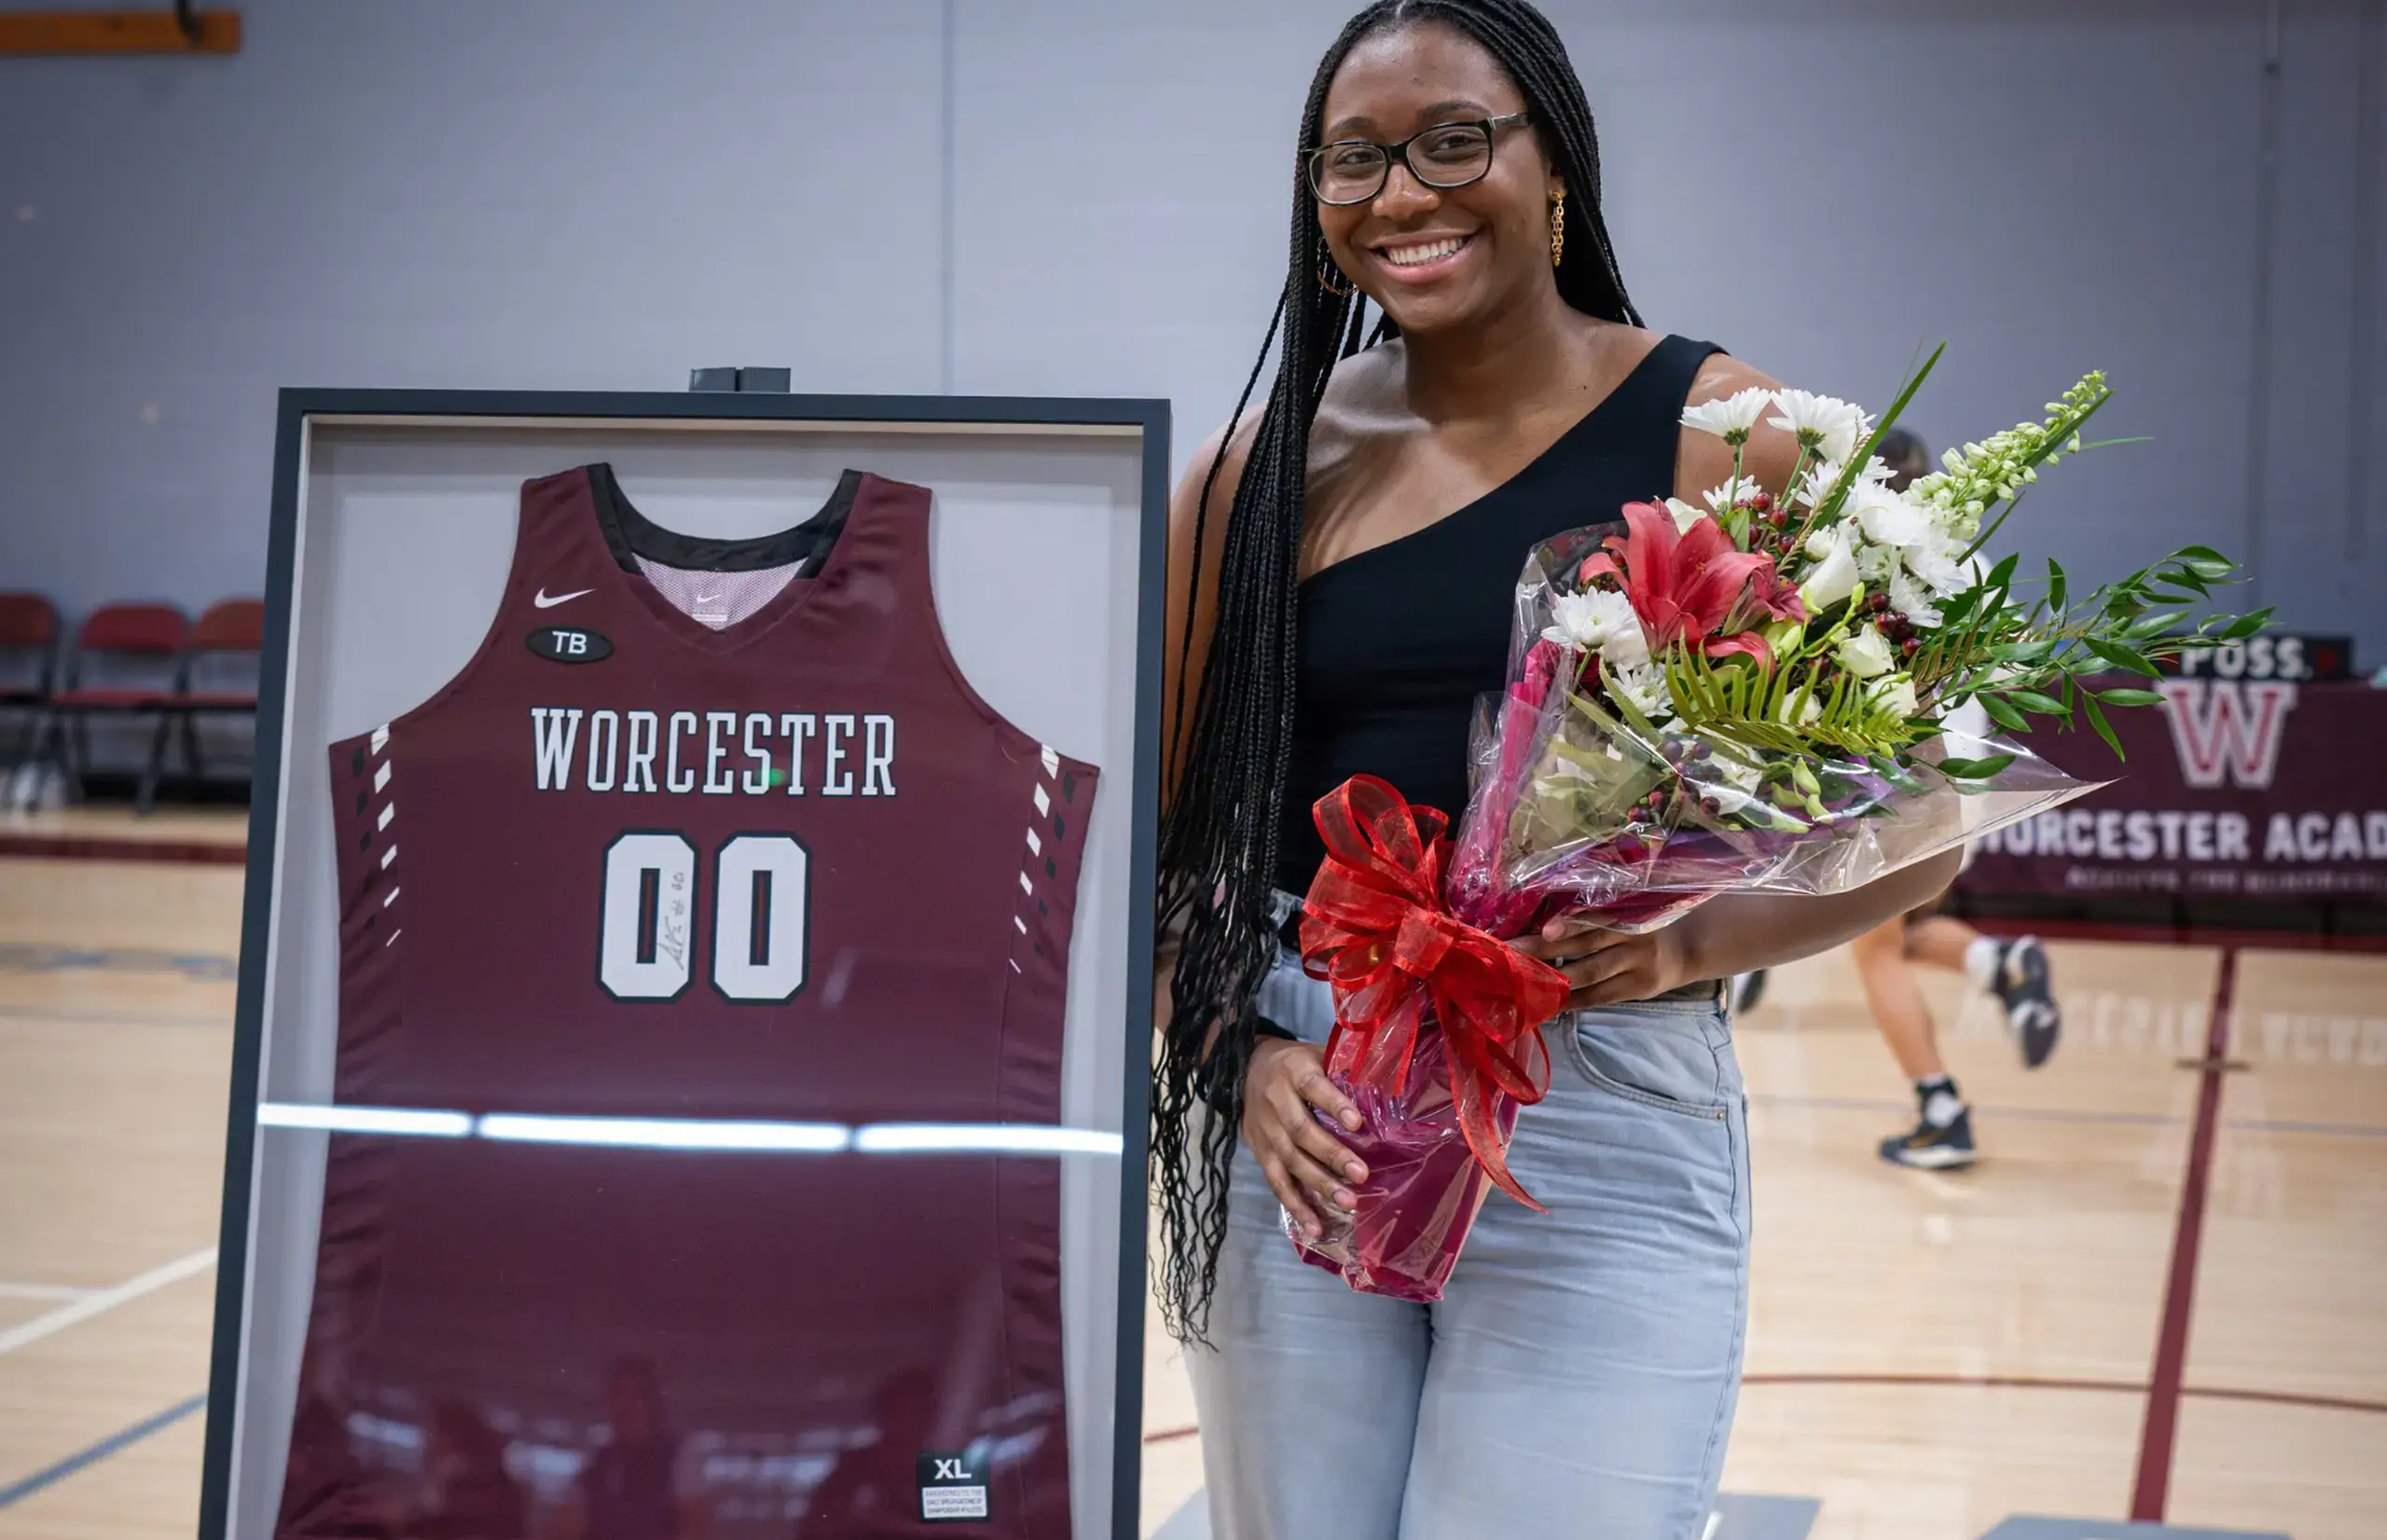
(1608, 967)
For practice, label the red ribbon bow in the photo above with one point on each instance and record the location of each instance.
(1374, 926)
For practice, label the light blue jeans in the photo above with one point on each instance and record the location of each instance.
(1579, 1375)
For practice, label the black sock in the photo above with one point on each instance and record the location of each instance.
(1940, 1100)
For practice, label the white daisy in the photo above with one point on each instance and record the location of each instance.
(1732, 418)
(1599, 621)
(1911, 598)
(1645, 686)
(1820, 421)
(1732, 492)
(1825, 473)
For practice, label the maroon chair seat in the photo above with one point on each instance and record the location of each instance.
(115, 698)
(216, 700)
(29, 652)
(230, 634)
(146, 639)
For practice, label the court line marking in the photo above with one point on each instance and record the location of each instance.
(2059, 1115)
(110, 1017)
(1992, 1382)
(2288, 1125)
(2167, 935)
(42, 1291)
(113, 1444)
(2020, 1114)
(2031, 1381)
(2151, 1490)
(85, 847)
(102, 1301)
(36, 958)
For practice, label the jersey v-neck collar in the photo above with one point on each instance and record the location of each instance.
(810, 547)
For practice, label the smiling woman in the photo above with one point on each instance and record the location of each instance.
(1344, 561)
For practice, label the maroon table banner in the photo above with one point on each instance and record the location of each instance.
(2242, 789)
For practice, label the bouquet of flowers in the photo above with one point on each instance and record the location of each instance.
(1752, 694)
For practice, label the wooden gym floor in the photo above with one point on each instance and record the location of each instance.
(2163, 1292)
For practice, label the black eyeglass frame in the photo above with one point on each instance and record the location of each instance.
(1399, 152)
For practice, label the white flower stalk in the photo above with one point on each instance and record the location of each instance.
(1735, 491)
(1599, 621)
(1834, 575)
(1731, 418)
(1865, 654)
(1981, 475)
(1685, 515)
(1823, 424)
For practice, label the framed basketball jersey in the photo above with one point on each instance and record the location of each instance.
(696, 974)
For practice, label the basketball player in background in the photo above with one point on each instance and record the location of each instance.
(2015, 971)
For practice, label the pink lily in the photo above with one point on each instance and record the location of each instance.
(1773, 595)
(1682, 586)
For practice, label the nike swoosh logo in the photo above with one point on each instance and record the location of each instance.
(545, 603)
(707, 599)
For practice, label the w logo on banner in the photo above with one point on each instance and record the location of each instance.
(2227, 728)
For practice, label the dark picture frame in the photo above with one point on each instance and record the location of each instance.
(299, 408)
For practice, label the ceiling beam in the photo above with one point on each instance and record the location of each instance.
(70, 33)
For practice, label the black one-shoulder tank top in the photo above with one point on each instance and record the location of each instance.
(1396, 643)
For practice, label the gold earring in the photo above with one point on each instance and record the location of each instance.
(1557, 229)
(1328, 272)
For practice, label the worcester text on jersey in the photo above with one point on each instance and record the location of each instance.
(714, 753)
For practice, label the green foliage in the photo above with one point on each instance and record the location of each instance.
(1980, 769)
(1747, 703)
(2020, 661)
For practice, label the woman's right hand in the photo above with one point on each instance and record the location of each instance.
(1299, 1157)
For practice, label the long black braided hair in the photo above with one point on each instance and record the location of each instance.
(1218, 850)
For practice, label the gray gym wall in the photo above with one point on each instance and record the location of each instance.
(1090, 197)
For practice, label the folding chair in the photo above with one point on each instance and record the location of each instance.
(146, 639)
(219, 674)
(29, 656)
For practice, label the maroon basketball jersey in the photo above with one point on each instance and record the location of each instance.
(712, 832)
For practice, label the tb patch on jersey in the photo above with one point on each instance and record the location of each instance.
(568, 644)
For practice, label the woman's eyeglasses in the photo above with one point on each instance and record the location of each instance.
(1446, 155)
